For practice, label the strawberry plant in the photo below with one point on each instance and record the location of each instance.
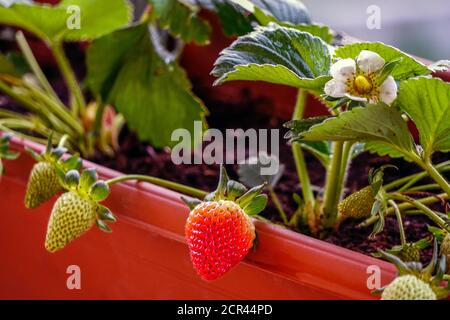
(370, 89)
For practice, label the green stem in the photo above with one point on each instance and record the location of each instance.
(441, 167)
(299, 158)
(160, 182)
(436, 176)
(34, 65)
(58, 110)
(427, 211)
(346, 160)
(406, 206)
(332, 189)
(399, 221)
(425, 187)
(277, 204)
(69, 77)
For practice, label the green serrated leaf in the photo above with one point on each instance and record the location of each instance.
(427, 103)
(154, 97)
(297, 127)
(277, 55)
(383, 149)
(51, 22)
(182, 20)
(88, 178)
(232, 20)
(407, 67)
(376, 122)
(99, 191)
(257, 205)
(292, 11)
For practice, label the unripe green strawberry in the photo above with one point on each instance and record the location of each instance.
(358, 204)
(445, 250)
(71, 216)
(410, 253)
(408, 287)
(43, 184)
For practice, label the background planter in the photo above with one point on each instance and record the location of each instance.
(146, 256)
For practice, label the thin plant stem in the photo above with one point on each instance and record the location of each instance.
(427, 211)
(332, 189)
(160, 182)
(34, 65)
(277, 203)
(441, 167)
(425, 187)
(398, 214)
(406, 206)
(436, 176)
(299, 158)
(346, 160)
(69, 77)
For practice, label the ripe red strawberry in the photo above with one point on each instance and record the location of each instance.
(219, 232)
(219, 235)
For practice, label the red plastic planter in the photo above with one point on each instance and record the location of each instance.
(146, 256)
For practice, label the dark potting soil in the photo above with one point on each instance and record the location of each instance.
(135, 156)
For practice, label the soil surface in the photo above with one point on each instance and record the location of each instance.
(138, 157)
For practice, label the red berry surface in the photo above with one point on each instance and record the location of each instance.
(219, 235)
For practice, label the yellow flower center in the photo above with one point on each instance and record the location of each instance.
(363, 85)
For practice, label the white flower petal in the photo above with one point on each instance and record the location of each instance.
(388, 90)
(343, 69)
(356, 98)
(369, 61)
(335, 88)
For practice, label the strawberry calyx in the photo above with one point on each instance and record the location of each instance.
(88, 186)
(407, 252)
(432, 274)
(252, 201)
(53, 156)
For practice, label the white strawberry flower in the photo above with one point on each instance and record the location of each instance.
(359, 80)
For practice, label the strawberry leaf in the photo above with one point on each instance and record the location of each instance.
(154, 97)
(291, 11)
(51, 22)
(278, 55)
(182, 20)
(407, 66)
(376, 122)
(427, 103)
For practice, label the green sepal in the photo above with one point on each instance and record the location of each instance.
(88, 178)
(438, 233)
(402, 267)
(71, 179)
(99, 191)
(10, 155)
(36, 156)
(49, 146)
(72, 163)
(190, 202)
(210, 196)
(247, 198)
(256, 205)
(105, 214)
(235, 189)
(57, 153)
(222, 186)
(103, 226)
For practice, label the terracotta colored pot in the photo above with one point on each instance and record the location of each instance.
(146, 256)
